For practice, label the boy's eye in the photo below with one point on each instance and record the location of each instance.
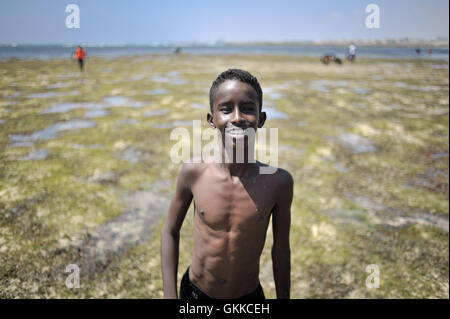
(226, 110)
(248, 108)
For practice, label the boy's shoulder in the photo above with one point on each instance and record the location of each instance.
(281, 182)
(278, 177)
(284, 176)
(193, 168)
(281, 176)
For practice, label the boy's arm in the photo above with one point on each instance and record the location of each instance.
(281, 223)
(170, 234)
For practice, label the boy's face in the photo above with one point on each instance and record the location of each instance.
(235, 110)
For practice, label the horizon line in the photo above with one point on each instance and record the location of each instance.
(440, 40)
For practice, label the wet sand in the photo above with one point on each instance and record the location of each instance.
(367, 145)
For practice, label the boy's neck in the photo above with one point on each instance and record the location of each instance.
(237, 167)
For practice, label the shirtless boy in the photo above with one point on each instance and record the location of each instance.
(233, 203)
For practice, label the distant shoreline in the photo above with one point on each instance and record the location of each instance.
(299, 58)
(294, 49)
(444, 44)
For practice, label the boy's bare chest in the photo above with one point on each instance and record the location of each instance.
(233, 204)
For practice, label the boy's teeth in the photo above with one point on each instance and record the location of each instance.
(237, 131)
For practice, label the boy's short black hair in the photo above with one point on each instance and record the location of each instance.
(235, 74)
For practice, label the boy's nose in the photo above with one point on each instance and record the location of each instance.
(237, 116)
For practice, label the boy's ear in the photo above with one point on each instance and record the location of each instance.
(262, 119)
(210, 119)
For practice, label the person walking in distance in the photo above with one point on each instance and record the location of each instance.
(352, 52)
(80, 55)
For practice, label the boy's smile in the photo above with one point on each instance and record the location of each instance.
(236, 111)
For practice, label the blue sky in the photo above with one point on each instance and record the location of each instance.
(169, 21)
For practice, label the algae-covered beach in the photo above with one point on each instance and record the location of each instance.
(86, 176)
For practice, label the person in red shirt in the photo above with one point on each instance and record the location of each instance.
(80, 54)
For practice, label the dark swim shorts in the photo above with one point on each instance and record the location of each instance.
(188, 290)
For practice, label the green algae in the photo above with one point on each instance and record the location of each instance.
(45, 205)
